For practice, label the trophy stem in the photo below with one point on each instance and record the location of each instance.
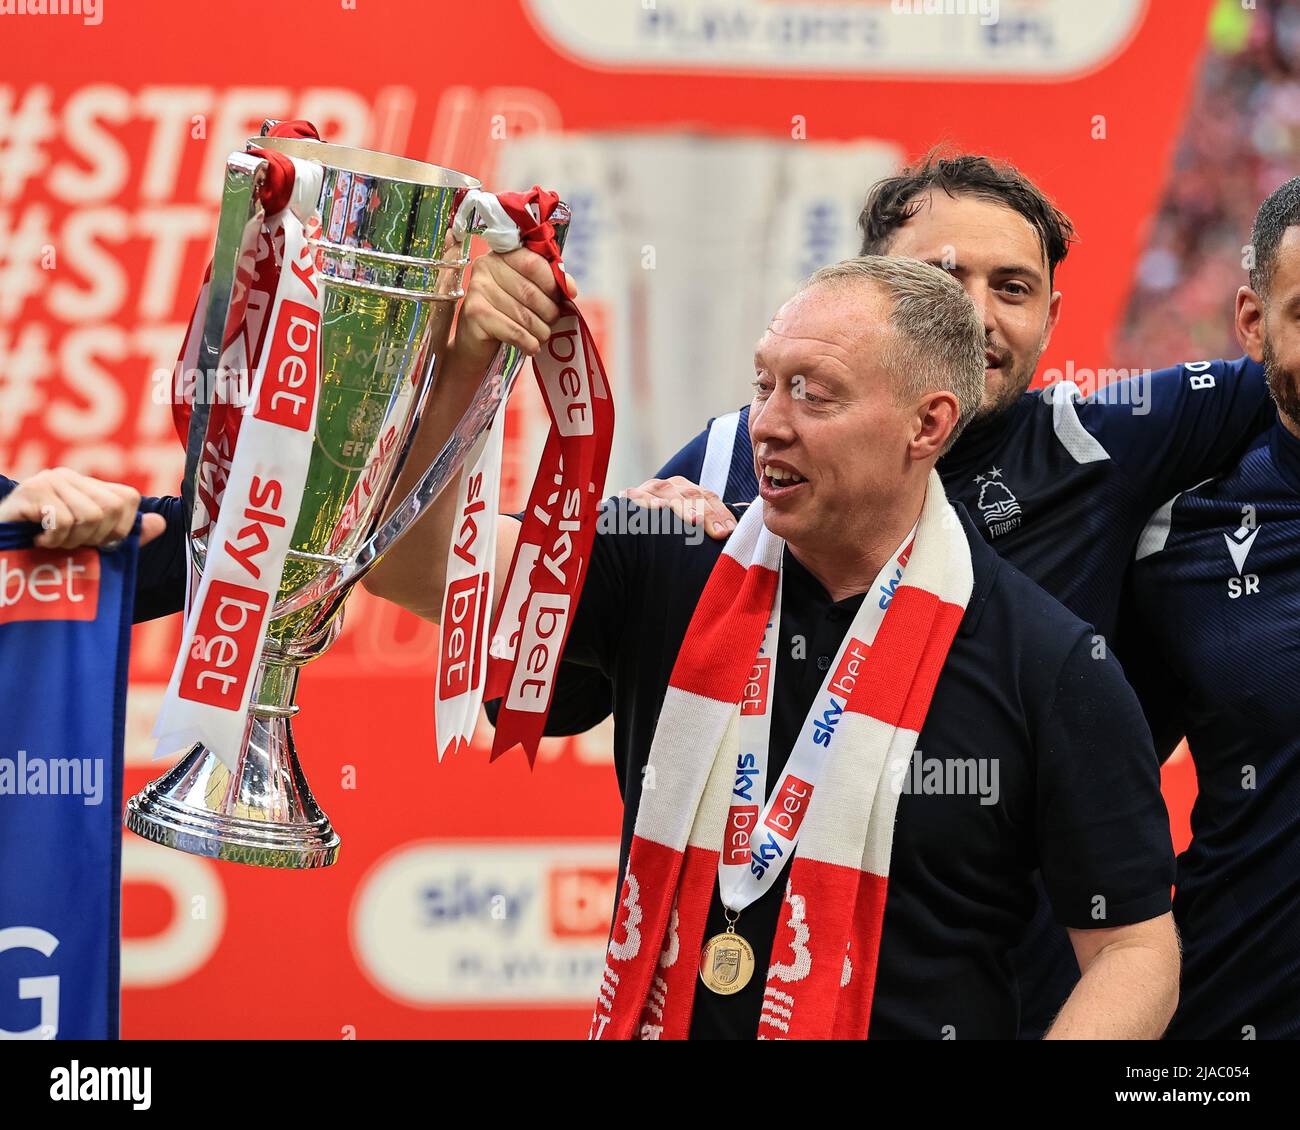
(263, 813)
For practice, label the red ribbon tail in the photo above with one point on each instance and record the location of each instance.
(504, 743)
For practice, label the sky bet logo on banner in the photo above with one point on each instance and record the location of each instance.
(65, 624)
(505, 922)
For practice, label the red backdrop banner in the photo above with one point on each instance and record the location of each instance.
(471, 899)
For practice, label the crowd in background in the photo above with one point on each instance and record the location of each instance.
(1243, 140)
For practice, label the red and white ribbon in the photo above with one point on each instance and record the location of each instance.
(550, 560)
(249, 512)
(467, 600)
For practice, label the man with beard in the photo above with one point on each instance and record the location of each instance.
(1217, 584)
(1060, 486)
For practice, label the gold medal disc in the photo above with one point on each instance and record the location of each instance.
(726, 964)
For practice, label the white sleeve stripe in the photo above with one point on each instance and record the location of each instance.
(1155, 534)
(1083, 446)
(717, 454)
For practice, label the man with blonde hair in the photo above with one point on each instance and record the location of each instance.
(844, 847)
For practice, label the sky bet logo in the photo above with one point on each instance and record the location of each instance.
(225, 640)
(764, 855)
(48, 584)
(463, 895)
(790, 806)
(287, 394)
(753, 699)
(887, 591)
(464, 611)
(841, 684)
(788, 809)
(741, 818)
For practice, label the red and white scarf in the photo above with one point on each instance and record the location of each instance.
(518, 661)
(822, 974)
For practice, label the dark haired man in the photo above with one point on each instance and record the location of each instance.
(1217, 585)
(1060, 486)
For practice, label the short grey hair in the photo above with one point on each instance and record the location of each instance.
(939, 333)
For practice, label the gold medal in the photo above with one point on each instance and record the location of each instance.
(726, 961)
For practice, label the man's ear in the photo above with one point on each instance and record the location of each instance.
(1250, 323)
(936, 416)
(1053, 316)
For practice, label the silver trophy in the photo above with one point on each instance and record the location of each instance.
(391, 275)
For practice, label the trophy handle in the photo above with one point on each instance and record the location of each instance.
(495, 388)
(237, 231)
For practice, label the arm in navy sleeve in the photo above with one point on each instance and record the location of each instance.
(1177, 427)
(1149, 674)
(160, 570)
(1102, 828)
(732, 475)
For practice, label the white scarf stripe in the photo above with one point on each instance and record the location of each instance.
(711, 820)
(672, 784)
(835, 829)
(877, 851)
(751, 543)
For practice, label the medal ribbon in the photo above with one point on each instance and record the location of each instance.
(760, 836)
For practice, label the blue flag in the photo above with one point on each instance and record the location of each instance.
(65, 637)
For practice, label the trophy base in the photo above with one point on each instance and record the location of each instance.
(165, 812)
(262, 814)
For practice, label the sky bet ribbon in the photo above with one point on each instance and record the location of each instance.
(550, 560)
(250, 490)
(65, 637)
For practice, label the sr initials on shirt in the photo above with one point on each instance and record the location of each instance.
(1243, 586)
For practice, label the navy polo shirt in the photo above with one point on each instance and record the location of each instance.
(160, 569)
(1024, 693)
(1217, 587)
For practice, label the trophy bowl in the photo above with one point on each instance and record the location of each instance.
(391, 274)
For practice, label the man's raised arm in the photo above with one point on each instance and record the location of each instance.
(511, 298)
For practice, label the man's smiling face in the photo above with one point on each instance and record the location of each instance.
(827, 426)
(997, 256)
